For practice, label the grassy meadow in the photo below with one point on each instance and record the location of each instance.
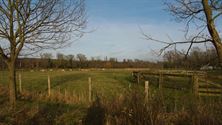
(117, 99)
(108, 82)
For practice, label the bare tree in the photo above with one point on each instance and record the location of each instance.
(70, 59)
(33, 25)
(46, 58)
(60, 60)
(46, 55)
(81, 57)
(82, 60)
(203, 15)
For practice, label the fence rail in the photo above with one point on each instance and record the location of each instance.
(208, 88)
(200, 85)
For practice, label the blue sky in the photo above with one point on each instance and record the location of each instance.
(116, 33)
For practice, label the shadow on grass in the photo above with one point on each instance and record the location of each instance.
(59, 114)
(95, 114)
(47, 114)
(32, 113)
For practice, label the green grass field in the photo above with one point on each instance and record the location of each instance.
(110, 81)
(108, 84)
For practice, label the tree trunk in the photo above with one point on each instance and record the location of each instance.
(219, 53)
(212, 29)
(12, 83)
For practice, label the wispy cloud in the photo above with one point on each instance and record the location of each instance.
(117, 33)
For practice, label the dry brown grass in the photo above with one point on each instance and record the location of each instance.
(131, 109)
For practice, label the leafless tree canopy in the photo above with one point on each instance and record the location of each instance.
(201, 16)
(33, 25)
(39, 24)
(192, 12)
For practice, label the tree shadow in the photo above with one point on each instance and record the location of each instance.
(95, 114)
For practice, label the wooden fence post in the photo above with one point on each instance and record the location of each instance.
(146, 90)
(160, 80)
(20, 83)
(49, 86)
(73, 93)
(195, 85)
(138, 77)
(90, 89)
(66, 96)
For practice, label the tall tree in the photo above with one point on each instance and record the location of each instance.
(81, 57)
(70, 59)
(60, 60)
(82, 60)
(202, 15)
(46, 55)
(33, 25)
(48, 58)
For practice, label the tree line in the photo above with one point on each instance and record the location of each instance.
(62, 61)
(196, 59)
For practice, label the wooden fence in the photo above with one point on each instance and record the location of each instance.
(56, 93)
(200, 85)
(208, 88)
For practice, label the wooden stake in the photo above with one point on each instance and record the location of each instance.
(195, 85)
(90, 89)
(66, 96)
(49, 86)
(160, 81)
(73, 93)
(146, 90)
(138, 77)
(20, 83)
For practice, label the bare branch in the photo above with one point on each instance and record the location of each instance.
(195, 40)
(2, 54)
(199, 16)
(39, 24)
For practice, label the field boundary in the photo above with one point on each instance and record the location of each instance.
(200, 85)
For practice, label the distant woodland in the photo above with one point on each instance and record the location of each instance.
(196, 59)
(78, 62)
